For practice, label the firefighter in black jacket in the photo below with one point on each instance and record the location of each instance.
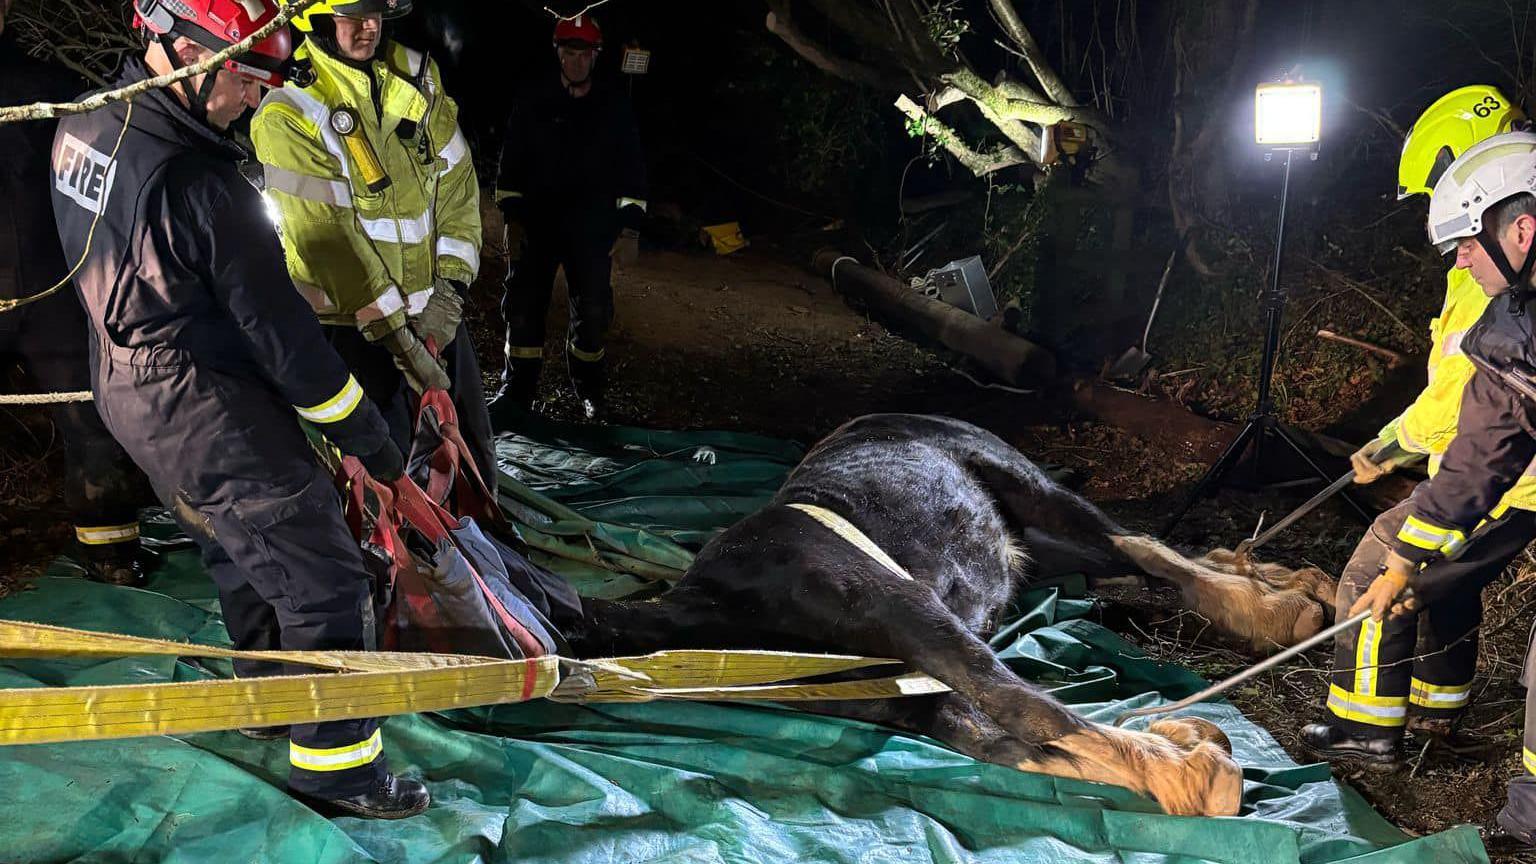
(1482, 209)
(47, 338)
(572, 189)
(206, 356)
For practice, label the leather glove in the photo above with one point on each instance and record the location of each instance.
(385, 464)
(1367, 470)
(1385, 588)
(515, 240)
(626, 249)
(439, 321)
(420, 368)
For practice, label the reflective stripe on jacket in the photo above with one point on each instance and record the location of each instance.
(1497, 442)
(361, 256)
(1429, 424)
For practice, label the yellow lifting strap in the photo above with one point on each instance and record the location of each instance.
(380, 684)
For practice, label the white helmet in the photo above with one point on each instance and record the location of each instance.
(1492, 170)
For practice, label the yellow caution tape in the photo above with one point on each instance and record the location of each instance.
(380, 684)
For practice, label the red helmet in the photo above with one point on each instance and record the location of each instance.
(578, 32)
(218, 24)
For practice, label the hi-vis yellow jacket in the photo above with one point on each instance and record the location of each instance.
(1429, 424)
(375, 189)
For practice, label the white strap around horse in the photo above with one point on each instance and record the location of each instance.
(844, 529)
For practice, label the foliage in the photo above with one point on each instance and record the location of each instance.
(89, 36)
(945, 24)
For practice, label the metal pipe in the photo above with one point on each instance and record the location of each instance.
(1251, 671)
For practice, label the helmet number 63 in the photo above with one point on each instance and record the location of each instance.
(1487, 106)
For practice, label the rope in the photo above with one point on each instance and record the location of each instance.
(46, 398)
(9, 305)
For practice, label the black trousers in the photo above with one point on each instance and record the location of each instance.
(103, 489)
(228, 458)
(525, 307)
(1420, 663)
(382, 381)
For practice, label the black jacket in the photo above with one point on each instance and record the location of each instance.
(30, 261)
(568, 162)
(184, 265)
(1496, 434)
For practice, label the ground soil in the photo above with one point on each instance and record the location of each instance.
(755, 342)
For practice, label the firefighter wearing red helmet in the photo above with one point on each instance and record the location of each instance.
(580, 32)
(46, 339)
(571, 187)
(205, 359)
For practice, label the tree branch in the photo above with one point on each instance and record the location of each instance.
(1050, 82)
(994, 108)
(979, 164)
(780, 24)
(46, 110)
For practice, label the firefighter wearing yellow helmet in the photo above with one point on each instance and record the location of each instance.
(1376, 691)
(378, 207)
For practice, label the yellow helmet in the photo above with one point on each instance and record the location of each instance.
(352, 9)
(1447, 128)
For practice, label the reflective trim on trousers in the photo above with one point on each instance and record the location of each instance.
(104, 535)
(1440, 695)
(523, 352)
(336, 758)
(1372, 710)
(585, 356)
(1367, 653)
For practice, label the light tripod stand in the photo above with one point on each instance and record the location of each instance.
(1263, 423)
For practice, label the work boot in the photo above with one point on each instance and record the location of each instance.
(1439, 728)
(123, 567)
(519, 388)
(263, 733)
(1505, 826)
(1331, 742)
(393, 797)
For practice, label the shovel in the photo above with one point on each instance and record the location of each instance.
(1136, 357)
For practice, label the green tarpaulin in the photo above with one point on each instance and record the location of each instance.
(673, 782)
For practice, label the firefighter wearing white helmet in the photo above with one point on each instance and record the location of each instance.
(1483, 208)
(1415, 672)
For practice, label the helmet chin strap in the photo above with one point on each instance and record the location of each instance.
(197, 100)
(1519, 280)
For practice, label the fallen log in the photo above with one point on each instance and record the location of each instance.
(1009, 358)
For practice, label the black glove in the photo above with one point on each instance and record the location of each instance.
(385, 464)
